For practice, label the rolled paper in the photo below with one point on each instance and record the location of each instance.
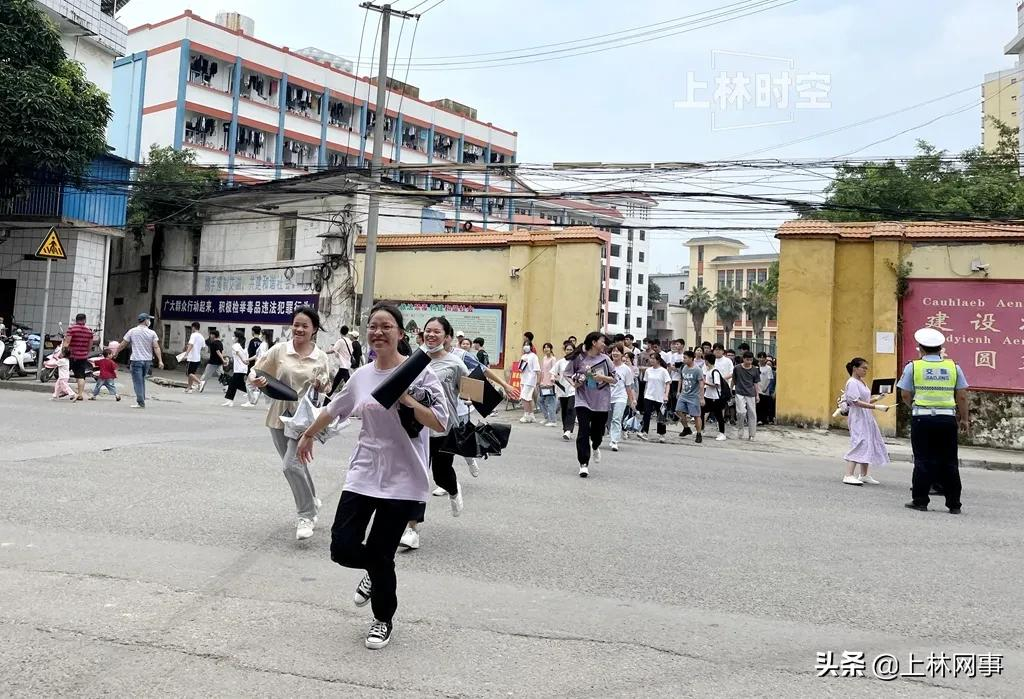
(388, 393)
(277, 389)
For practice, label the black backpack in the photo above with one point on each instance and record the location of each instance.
(481, 356)
(724, 389)
(357, 354)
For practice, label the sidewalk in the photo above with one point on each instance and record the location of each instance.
(161, 377)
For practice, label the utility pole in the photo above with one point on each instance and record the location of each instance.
(376, 165)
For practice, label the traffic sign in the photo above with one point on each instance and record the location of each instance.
(51, 247)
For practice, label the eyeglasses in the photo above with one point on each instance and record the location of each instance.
(381, 328)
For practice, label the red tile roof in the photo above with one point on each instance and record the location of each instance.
(902, 230)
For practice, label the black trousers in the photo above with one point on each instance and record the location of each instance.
(716, 408)
(936, 458)
(568, 406)
(766, 409)
(342, 375)
(377, 555)
(441, 466)
(652, 407)
(237, 384)
(673, 394)
(591, 432)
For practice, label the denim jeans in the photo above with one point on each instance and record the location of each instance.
(618, 410)
(109, 383)
(139, 372)
(548, 406)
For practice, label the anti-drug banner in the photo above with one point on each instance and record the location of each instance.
(266, 310)
(983, 322)
(474, 320)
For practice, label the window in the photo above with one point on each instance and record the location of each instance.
(167, 336)
(762, 276)
(659, 315)
(700, 282)
(643, 234)
(613, 295)
(700, 253)
(639, 300)
(144, 272)
(286, 238)
(613, 272)
(639, 279)
(682, 286)
(629, 277)
(721, 278)
(641, 256)
(629, 236)
(613, 319)
(720, 337)
(616, 250)
(639, 322)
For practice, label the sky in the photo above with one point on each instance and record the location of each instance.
(642, 102)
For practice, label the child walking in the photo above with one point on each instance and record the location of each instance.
(62, 389)
(108, 372)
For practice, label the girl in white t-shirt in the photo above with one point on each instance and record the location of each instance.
(657, 385)
(240, 369)
(565, 392)
(713, 403)
(529, 369)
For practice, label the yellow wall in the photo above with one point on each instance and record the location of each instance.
(834, 296)
(556, 295)
(1000, 99)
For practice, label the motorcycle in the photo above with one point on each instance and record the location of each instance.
(18, 359)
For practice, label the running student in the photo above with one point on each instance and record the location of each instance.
(565, 391)
(388, 477)
(713, 403)
(193, 357)
(303, 366)
(622, 395)
(529, 369)
(656, 391)
(591, 372)
(690, 401)
(215, 361)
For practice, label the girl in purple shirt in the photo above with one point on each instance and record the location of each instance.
(590, 370)
(388, 475)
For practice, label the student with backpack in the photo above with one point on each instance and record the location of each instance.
(717, 395)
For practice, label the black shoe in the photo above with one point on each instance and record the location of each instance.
(379, 634)
(699, 438)
(686, 432)
(913, 506)
(954, 510)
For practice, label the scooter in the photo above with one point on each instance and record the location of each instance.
(19, 358)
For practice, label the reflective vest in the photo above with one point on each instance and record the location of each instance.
(934, 384)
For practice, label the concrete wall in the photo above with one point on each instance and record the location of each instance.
(557, 296)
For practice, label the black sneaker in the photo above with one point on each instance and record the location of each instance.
(686, 432)
(698, 439)
(954, 510)
(379, 634)
(362, 594)
(914, 506)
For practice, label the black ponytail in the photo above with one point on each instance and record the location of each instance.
(588, 343)
(855, 363)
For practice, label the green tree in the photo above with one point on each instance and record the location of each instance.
(166, 194)
(772, 285)
(653, 293)
(729, 308)
(974, 184)
(697, 303)
(760, 306)
(52, 120)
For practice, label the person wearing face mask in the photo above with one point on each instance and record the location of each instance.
(565, 391)
(145, 344)
(529, 369)
(303, 366)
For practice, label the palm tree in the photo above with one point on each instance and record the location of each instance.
(698, 302)
(760, 305)
(729, 307)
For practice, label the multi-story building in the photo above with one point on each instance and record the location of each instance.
(667, 319)
(261, 111)
(716, 262)
(1015, 48)
(999, 99)
(86, 218)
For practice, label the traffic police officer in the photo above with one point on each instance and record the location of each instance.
(935, 388)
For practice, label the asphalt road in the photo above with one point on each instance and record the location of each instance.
(152, 553)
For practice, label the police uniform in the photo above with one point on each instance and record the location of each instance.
(933, 427)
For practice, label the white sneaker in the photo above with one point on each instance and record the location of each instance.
(136, 405)
(304, 528)
(584, 471)
(474, 467)
(614, 446)
(567, 435)
(869, 479)
(438, 492)
(188, 390)
(721, 437)
(852, 480)
(524, 419)
(456, 503)
(410, 539)
(551, 424)
(641, 436)
(247, 404)
(597, 456)
(661, 439)
(202, 386)
(228, 404)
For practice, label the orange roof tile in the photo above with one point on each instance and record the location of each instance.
(902, 230)
(489, 239)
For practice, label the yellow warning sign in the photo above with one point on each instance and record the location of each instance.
(51, 247)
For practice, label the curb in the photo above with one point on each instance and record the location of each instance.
(34, 386)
